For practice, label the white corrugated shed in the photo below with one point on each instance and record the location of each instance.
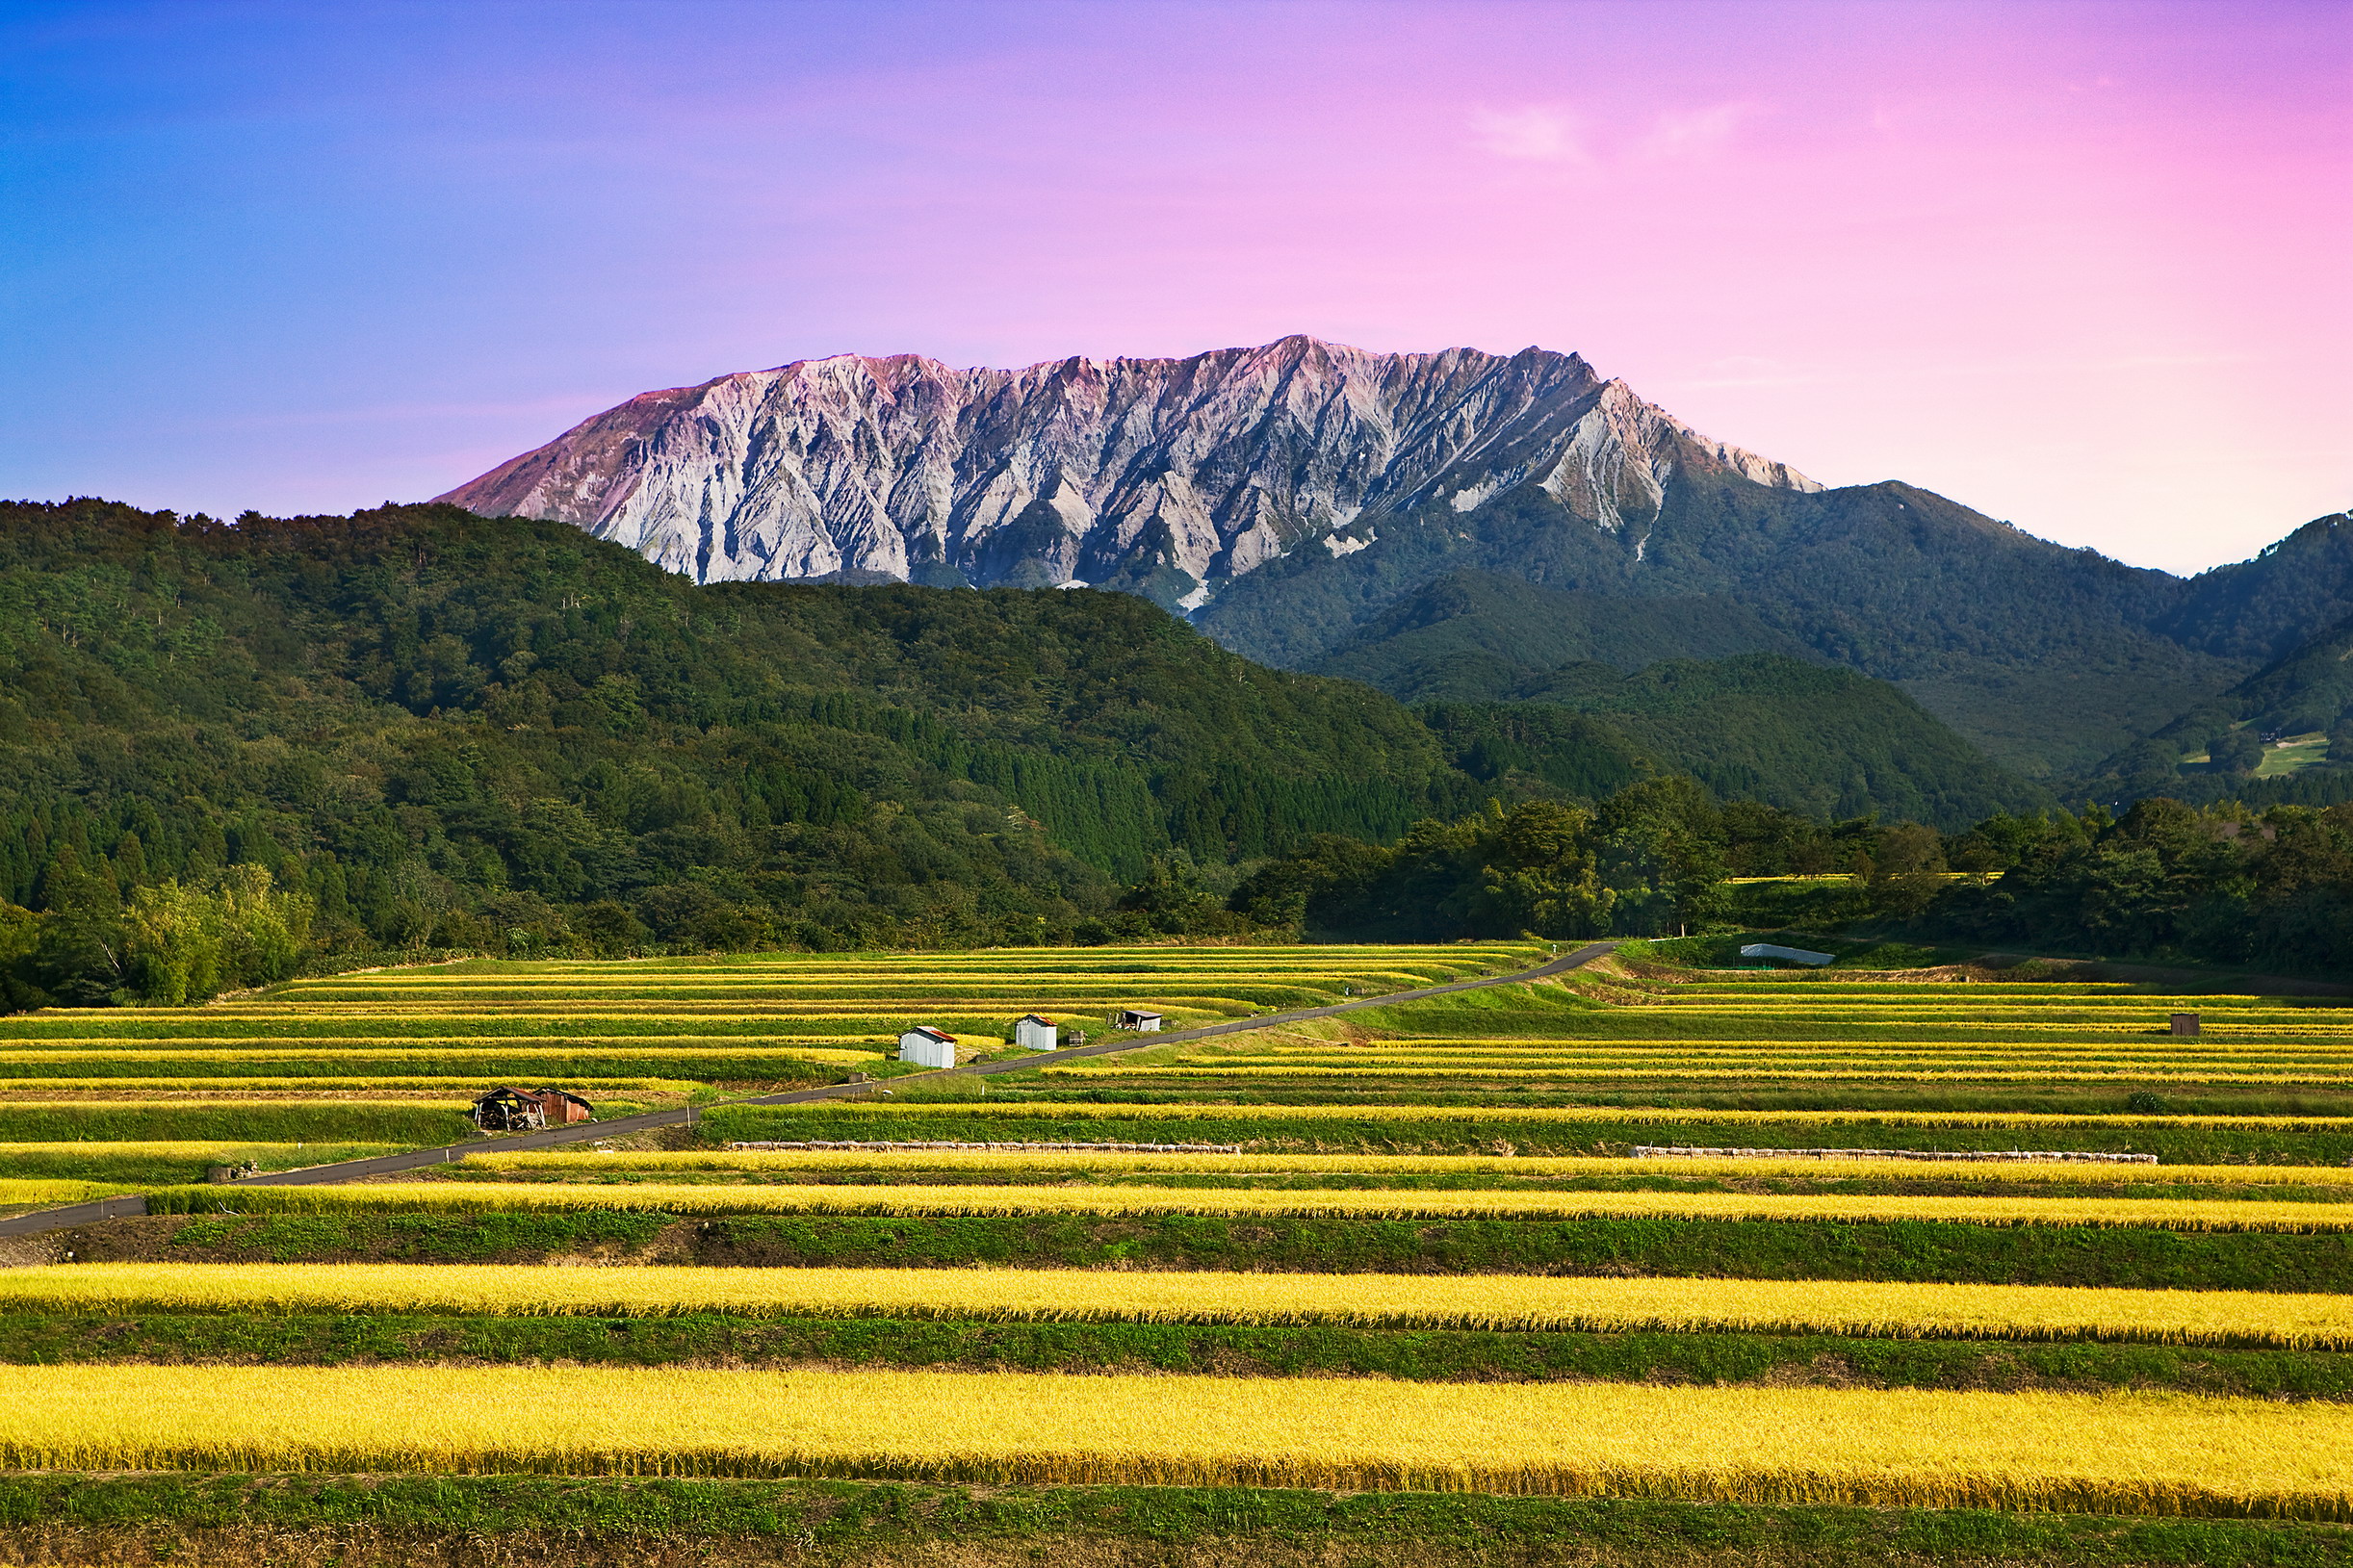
(927, 1048)
(1033, 1033)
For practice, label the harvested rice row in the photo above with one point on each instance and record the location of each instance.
(471, 1083)
(2125, 1453)
(1179, 1111)
(2242, 1319)
(27, 1194)
(492, 1063)
(592, 1163)
(1106, 1066)
(2161, 1214)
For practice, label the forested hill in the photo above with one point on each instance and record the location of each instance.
(457, 733)
(437, 731)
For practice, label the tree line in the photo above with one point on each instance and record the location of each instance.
(2165, 879)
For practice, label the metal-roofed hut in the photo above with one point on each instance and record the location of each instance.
(927, 1048)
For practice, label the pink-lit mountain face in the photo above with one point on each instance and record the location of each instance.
(1169, 477)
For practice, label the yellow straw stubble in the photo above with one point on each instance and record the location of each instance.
(2161, 1213)
(1501, 1301)
(2131, 1453)
(592, 1163)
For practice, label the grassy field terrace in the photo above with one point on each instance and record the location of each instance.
(1421, 1297)
(391, 1059)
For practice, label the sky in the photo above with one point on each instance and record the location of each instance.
(2080, 266)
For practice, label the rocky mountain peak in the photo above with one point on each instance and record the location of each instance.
(1167, 476)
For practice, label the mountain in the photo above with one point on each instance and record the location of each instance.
(1290, 497)
(1164, 476)
(2265, 608)
(2310, 691)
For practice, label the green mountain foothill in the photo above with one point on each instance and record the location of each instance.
(1475, 635)
(227, 750)
(229, 754)
(2047, 658)
(432, 730)
(1696, 685)
(2284, 735)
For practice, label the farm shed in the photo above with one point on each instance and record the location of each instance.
(1143, 1023)
(1033, 1033)
(927, 1048)
(1787, 955)
(526, 1110)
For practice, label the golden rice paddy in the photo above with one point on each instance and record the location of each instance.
(2159, 1214)
(1868, 1309)
(596, 1163)
(1630, 1115)
(2126, 1453)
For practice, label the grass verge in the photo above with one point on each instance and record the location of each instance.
(251, 1520)
(1740, 1249)
(1418, 1355)
(1581, 1130)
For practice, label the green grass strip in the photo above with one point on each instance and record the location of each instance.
(1421, 1355)
(1739, 1249)
(724, 1522)
(1580, 1130)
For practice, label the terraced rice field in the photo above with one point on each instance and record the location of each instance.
(1804, 1034)
(396, 1056)
(1431, 1268)
(2129, 1454)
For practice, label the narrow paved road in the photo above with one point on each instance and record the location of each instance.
(385, 1165)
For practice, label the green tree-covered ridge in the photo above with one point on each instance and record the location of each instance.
(452, 733)
(225, 752)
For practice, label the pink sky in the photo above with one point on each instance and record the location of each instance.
(2082, 267)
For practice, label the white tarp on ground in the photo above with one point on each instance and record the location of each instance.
(1792, 954)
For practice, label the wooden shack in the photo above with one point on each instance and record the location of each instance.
(1034, 1034)
(927, 1048)
(560, 1109)
(528, 1110)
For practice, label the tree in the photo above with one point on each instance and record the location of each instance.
(184, 943)
(1172, 900)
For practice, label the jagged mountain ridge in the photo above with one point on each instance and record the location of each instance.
(1166, 477)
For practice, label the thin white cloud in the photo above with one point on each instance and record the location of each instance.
(1534, 133)
(1552, 133)
(1692, 133)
